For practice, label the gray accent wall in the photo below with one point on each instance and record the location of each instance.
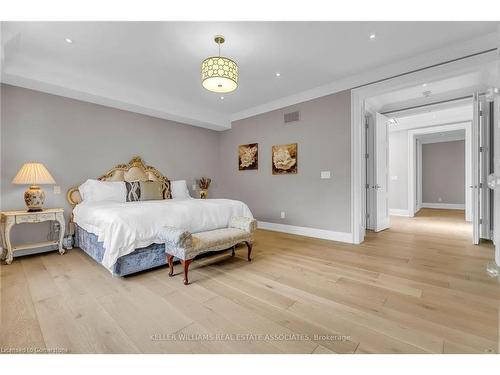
(443, 172)
(324, 144)
(78, 140)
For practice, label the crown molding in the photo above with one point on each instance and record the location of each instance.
(450, 52)
(117, 97)
(26, 75)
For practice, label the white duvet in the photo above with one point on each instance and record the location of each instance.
(124, 227)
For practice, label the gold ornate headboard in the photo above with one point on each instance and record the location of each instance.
(135, 170)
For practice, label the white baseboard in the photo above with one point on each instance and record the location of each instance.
(308, 232)
(444, 206)
(398, 212)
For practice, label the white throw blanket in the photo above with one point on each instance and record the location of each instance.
(124, 227)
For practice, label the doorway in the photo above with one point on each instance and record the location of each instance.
(468, 79)
(418, 164)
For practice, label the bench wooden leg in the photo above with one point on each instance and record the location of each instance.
(170, 261)
(232, 250)
(249, 245)
(186, 264)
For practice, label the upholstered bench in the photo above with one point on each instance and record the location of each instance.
(186, 246)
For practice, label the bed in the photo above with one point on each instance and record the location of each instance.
(124, 236)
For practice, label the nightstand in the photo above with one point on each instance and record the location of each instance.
(10, 218)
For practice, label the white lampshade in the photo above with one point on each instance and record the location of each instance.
(33, 174)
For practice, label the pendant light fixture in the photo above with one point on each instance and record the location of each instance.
(219, 74)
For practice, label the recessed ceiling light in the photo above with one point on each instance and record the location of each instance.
(424, 85)
(372, 36)
(221, 98)
(68, 40)
(278, 74)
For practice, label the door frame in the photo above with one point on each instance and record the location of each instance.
(358, 97)
(412, 164)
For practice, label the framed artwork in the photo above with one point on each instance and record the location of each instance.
(248, 157)
(285, 159)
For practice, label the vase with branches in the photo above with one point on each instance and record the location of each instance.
(203, 184)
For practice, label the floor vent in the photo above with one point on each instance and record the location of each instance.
(292, 117)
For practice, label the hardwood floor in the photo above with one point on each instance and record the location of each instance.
(419, 287)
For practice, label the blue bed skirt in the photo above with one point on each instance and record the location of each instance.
(140, 260)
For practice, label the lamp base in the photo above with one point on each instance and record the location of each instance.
(34, 198)
(34, 209)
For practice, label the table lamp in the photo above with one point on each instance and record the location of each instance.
(33, 174)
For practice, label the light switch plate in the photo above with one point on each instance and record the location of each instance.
(57, 189)
(282, 214)
(326, 174)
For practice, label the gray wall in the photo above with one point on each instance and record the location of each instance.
(443, 172)
(324, 144)
(398, 168)
(78, 140)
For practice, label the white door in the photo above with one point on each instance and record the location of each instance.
(481, 169)
(418, 180)
(381, 172)
(485, 194)
(371, 198)
(476, 144)
(494, 180)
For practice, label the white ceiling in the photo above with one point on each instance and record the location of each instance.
(430, 92)
(461, 112)
(154, 67)
(462, 85)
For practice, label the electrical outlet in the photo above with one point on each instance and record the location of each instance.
(57, 189)
(283, 214)
(326, 175)
(440, 199)
(193, 186)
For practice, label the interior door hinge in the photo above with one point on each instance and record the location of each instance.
(366, 156)
(480, 221)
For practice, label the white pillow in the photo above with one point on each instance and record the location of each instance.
(179, 189)
(103, 191)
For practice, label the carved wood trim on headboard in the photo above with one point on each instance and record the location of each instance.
(134, 170)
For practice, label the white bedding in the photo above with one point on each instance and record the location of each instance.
(124, 227)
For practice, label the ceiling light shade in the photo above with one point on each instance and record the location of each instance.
(219, 74)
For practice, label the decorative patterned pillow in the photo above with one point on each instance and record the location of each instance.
(133, 191)
(167, 190)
